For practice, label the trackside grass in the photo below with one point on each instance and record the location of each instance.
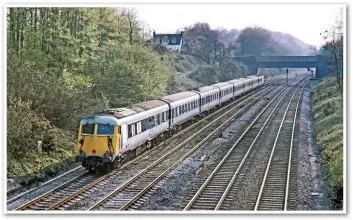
(328, 115)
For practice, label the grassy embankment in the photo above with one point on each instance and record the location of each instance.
(328, 114)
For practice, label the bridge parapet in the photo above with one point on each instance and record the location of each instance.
(255, 62)
(286, 59)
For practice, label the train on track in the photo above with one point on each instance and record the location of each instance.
(109, 137)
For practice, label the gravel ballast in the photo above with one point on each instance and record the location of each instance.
(313, 187)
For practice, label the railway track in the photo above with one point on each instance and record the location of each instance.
(217, 190)
(66, 194)
(274, 189)
(47, 199)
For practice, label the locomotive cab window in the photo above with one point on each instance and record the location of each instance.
(105, 129)
(88, 129)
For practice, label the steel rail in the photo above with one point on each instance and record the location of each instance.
(274, 147)
(37, 199)
(290, 152)
(42, 185)
(188, 206)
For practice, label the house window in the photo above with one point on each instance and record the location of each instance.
(157, 40)
(174, 40)
(165, 40)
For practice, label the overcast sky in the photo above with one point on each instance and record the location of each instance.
(300, 20)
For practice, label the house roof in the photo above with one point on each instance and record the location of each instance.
(170, 37)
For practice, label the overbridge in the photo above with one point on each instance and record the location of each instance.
(255, 62)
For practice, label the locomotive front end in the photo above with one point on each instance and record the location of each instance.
(98, 142)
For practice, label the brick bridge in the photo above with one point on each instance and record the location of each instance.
(255, 62)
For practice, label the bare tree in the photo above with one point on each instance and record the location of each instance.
(145, 30)
(133, 22)
(334, 46)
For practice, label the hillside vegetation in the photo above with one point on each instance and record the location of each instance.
(328, 114)
(67, 63)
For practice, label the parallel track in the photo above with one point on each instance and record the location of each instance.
(213, 192)
(275, 185)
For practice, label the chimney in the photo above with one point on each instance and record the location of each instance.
(182, 33)
(154, 33)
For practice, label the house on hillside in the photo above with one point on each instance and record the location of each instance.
(171, 41)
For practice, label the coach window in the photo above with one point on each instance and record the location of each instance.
(133, 132)
(151, 119)
(129, 131)
(162, 117)
(157, 119)
(145, 125)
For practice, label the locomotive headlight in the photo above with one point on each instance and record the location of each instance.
(93, 151)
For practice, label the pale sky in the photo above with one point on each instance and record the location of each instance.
(303, 21)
